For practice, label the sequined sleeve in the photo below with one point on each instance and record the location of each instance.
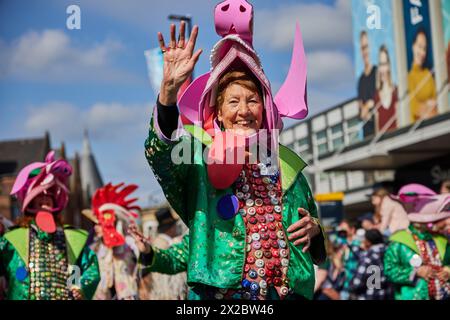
(169, 261)
(3, 245)
(446, 261)
(396, 268)
(318, 248)
(90, 273)
(172, 175)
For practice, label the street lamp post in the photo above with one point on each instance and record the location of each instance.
(187, 18)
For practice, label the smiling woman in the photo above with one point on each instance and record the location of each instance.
(239, 101)
(253, 233)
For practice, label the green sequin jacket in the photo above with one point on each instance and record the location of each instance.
(213, 253)
(14, 255)
(398, 269)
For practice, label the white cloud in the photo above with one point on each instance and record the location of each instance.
(105, 121)
(51, 56)
(117, 134)
(109, 120)
(60, 118)
(330, 68)
(323, 26)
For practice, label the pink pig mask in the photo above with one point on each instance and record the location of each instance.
(52, 179)
(422, 204)
(234, 23)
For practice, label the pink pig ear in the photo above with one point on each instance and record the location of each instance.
(291, 99)
(50, 157)
(190, 99)
(23, 175)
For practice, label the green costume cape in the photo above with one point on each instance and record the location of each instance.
(14, 255)
(214, 251)
(397, 265)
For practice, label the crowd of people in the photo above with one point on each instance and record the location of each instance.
(400, 251)
(107, 256)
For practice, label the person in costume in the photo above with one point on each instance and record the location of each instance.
(43, 259)
(164, 286)
(117, 254)
(347, 236)
(5, 225)
(417, 259)
(253, 227)
(364, 286)
(333, 268)
(391, 212)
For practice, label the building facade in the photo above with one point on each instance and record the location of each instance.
(397, 128)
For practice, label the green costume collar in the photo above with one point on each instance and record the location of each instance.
(405, 237)
(75, 241)
(290, 163)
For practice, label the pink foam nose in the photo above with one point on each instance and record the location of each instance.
(237, 16)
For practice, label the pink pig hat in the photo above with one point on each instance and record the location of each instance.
(422, 204)
(234, 23)
(49, 177)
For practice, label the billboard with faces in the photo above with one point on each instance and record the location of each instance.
(445, 7)
(421, 84)
(375, 64)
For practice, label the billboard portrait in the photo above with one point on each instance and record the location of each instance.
(375, 64)
(445, 5)
(422, 89)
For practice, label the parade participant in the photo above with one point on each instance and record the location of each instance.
(364, 286)
(253, 226)
(43, 259)
(164, 286)
(117, 254)
(333, 284)
(445, 186)
(351, 247)
(417, 260)
(5, 225)
(391, 212)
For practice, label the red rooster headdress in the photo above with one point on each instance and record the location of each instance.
(112, 210)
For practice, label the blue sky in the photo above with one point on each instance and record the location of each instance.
(63, 81)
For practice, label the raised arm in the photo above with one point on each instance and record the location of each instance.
(179, 62)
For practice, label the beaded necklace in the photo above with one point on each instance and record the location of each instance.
(258, 190)
(437, 289)
(48, 265)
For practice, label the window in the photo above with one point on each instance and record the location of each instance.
(338, 182)
(301, 146)
(321, 135)
(287, 137)
(321, 142)
(354, 132)
(324, 183)
(337, 136)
